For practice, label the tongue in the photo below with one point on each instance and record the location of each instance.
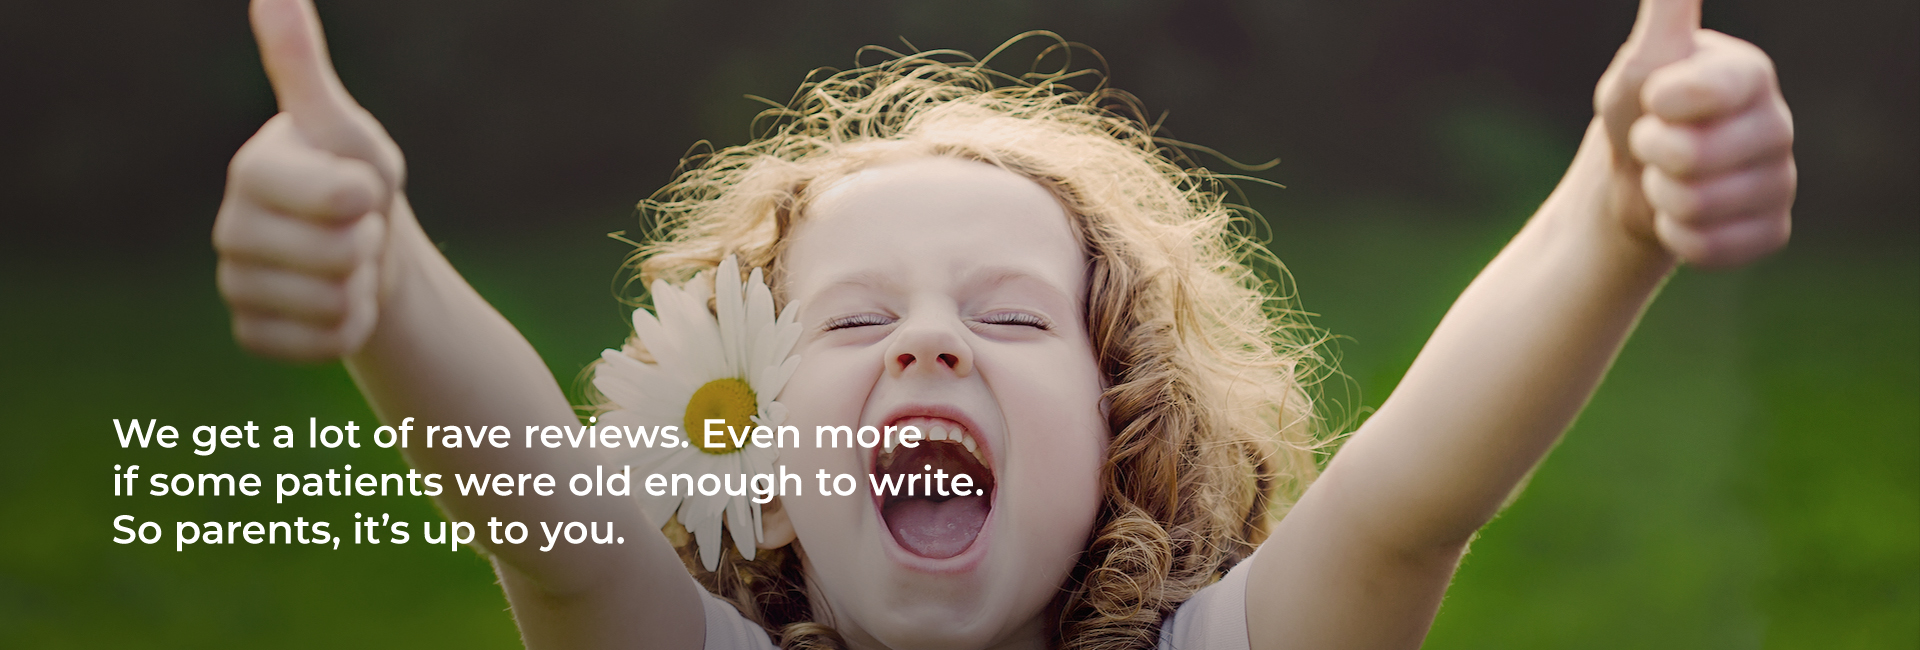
(936, 529)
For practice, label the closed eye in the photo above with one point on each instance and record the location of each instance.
(855, 320)
(1016, 318)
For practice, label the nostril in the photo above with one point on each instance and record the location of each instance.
(904, 360)
(949, 360)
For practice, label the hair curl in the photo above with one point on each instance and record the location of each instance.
(1213, 432)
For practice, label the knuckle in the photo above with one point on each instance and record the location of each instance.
(1678, 157)
(349, 197)
(222, 235)
(1685, 204)
(358, 187)
(1698, 95)
(1686, 244)
(1662, 146)
(245, 164)
(1781, 232)
(1679, 200)
(335, 256)
(256, 154)
(230, 230)
(1644, 134)
(368, 237)
(1777, 135)
(329, 306)
(228, 278)
(1685, 158)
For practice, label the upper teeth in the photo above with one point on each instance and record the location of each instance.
(939, 430)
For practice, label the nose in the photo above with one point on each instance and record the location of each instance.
(923, 345)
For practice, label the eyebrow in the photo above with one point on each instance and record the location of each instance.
(988, 277)
(870, 279)
(993, 277)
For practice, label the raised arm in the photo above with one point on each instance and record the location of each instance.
(321, 259)
(1689, 159)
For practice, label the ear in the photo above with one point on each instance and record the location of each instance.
(776, 530)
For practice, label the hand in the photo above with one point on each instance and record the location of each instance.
(1701, 140)
(303, 228)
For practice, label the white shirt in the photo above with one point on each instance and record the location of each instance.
(1215, 618)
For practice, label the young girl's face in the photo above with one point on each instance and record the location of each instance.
(949, 295)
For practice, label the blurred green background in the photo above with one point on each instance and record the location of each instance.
(1748, 476)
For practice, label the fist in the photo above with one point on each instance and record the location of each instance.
(302, 229)
(1701, 139)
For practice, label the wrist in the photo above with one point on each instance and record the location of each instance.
(410, 258)
(1598, 205)
(405, 277)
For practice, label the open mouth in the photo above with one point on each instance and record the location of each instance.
(929, 515)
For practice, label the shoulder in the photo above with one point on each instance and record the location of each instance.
(728, 630)
(1215, 618)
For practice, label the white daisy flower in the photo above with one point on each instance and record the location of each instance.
(729, 367)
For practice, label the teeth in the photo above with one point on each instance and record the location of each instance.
(935, 431)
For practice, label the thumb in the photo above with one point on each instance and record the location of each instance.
(1662, 34)
(1663, 31)
(294, 52)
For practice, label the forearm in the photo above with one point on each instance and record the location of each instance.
(1507, 370)
(443, 356)
(1689, 160)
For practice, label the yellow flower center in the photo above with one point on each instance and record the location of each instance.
(729, 399)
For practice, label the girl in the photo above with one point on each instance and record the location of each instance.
(1021, 271)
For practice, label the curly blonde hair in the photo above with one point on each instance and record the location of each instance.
(1213, 431)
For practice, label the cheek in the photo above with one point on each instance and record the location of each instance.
(1055, 496)
(1063, 463)
(1060, 441)
(829, 387)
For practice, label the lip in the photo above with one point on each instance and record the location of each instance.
(976, 552)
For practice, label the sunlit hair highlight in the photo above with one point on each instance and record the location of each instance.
(1206, 359)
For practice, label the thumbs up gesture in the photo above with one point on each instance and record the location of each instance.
(303, 228)
(1701, 140)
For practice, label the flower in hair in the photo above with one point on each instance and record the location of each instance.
(727, 363)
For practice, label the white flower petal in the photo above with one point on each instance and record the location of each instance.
(626, 420)
(662, 336)
(645, 460)
(788, 334)
(740, 336)
(773, 414)
(731, 316)
(780, 346)
(706, 536)
(762, 355)
(774, 379)
(659, 460)
(759, 314)
(698, 333)
(790, 315)
(618, 418)
(740, 524)
(635, 385)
